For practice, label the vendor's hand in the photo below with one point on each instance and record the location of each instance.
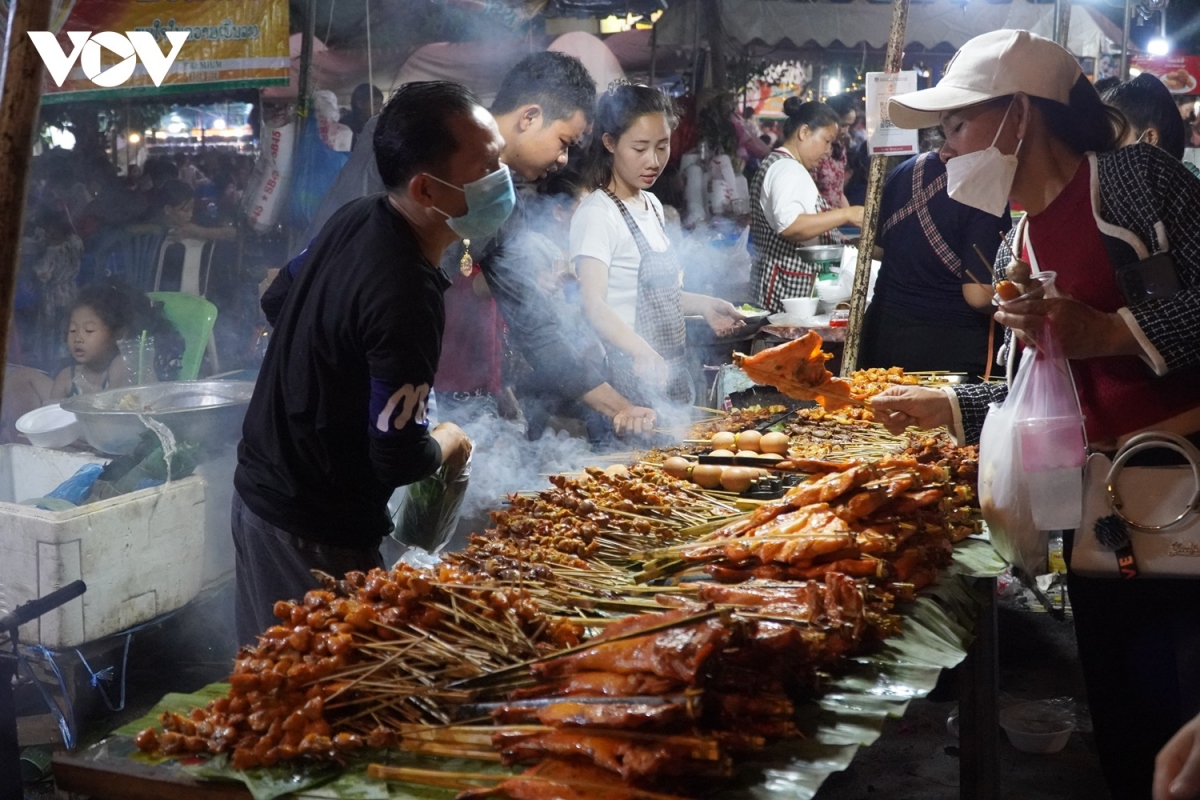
(901, 407)
(1083, 332)
(650, 367)
(722, 317)
(635, 421)
(1177, 767)
(456, 445)
(854, 215)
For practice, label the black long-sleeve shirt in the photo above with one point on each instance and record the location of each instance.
(337, 420)
(557, 364)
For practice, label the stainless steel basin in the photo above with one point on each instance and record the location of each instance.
(208, 413)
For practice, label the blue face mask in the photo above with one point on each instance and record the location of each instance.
(490, 200)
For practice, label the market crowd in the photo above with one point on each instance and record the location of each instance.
(525, 260)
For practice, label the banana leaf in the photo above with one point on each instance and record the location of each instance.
(849, 713)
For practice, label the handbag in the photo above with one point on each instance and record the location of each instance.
(1140, 521)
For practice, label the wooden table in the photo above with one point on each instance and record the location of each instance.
(105, 771)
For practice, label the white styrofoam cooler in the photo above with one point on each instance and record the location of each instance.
(141, 554)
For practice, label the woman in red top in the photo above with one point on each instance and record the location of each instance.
(1023, 123)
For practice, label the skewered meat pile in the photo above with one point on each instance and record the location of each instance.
(689, 676)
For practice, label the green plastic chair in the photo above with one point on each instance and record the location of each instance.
(193, 317)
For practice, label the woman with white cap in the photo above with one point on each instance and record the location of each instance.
(1022, 122)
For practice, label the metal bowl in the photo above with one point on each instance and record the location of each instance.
(820, 254)
(202, 412)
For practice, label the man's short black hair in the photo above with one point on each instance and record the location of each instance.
(1147, 102)
(414, 132)
(363, 92)
(557, 82)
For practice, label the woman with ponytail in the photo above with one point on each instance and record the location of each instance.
(629, 278)
(787, 209)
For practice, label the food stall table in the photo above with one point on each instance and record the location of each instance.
(934, 638)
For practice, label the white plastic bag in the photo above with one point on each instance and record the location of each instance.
(1031, 456)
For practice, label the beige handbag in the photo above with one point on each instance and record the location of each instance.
(1140, 521)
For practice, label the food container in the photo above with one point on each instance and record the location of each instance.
(1042, 286)
(50, 426)
(1037, 727)
(800, 306)
(202, 412)
(826, 258)
(831, 293)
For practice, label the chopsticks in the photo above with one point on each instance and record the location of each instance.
(986, 266)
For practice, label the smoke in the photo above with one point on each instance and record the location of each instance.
(504, 461)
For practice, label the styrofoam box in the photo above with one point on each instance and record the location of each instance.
(141, 554)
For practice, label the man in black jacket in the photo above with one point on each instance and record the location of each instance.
(338, 417)
(543, 106)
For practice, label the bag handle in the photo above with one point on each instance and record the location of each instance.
(1152, 441)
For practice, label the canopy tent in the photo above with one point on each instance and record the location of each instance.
(930, 24)
(599, 60)
(481, 66)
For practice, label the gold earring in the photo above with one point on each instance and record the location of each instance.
(466, 264)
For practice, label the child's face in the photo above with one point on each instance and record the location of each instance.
(91, 341)
(180, 214)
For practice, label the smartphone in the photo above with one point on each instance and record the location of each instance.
(1151, 278)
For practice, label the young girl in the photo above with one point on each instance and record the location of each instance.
(629, 278)
(99, 317)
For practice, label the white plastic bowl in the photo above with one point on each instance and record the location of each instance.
(832, 292)
(1037, 727)
(49, 426)
(800, 306)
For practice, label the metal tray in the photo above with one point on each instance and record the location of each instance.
(202, 412)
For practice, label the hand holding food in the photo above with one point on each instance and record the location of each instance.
(1083, 332)
(901, 407)
(634, 420)
(722, 317)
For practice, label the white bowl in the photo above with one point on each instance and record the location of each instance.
(49, 426)
(832, 292)
(1037, 727)
(800, 306)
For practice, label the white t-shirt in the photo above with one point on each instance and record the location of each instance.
(788, 190)
(599, 231)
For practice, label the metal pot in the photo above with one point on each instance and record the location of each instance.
(202, 412)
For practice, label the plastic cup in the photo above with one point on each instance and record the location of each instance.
(1041, 287)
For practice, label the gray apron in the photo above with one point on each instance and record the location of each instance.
(658, 319)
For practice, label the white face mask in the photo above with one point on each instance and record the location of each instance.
(983, 179)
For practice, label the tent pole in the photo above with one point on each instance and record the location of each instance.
(1125, 41)
(893, 62)
(20, 96)
(1062, 21)
(304, 92)
(653, 53)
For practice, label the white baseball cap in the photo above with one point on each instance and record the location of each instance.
(991, 65)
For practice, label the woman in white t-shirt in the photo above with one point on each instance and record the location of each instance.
(629, 278)
(787, 211)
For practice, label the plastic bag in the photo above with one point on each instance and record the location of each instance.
(428, 514)
(1031, 456)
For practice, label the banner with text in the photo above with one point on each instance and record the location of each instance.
(883, 137)
(231, 44)
(1179, 73)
